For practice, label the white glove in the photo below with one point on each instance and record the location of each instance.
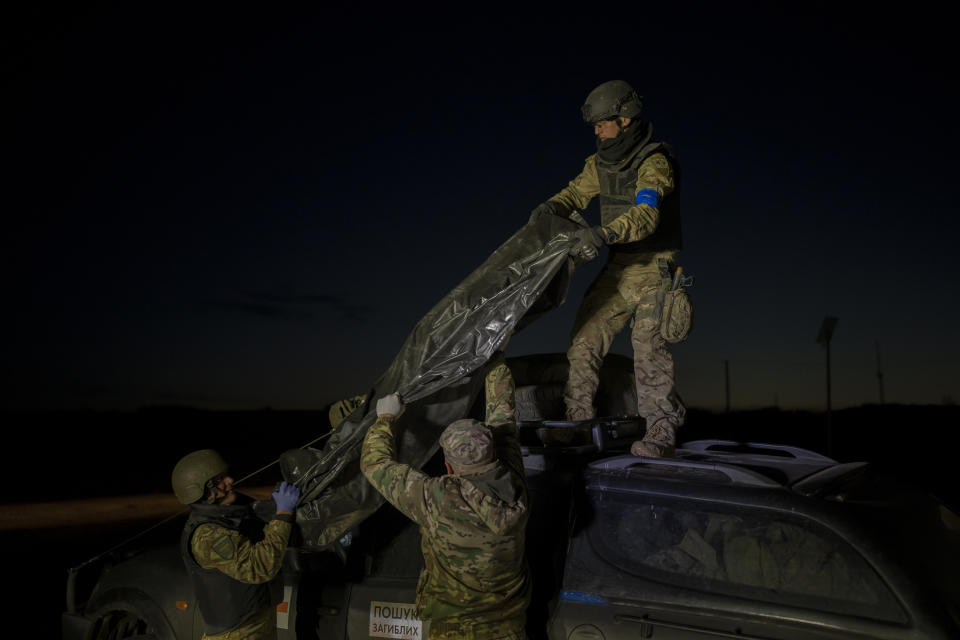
(390, 405)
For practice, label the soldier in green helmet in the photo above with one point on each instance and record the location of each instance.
(229, 554)
(475, 583)
(635, 178)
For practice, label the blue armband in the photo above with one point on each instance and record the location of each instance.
(648, 196)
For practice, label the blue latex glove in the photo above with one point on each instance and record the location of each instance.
(286, 497)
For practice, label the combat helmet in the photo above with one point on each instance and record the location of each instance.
(610, 100)
(191, 473)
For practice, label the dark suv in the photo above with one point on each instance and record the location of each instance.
(755, 541)
(726, 540)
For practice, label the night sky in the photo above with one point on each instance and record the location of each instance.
(235, 207)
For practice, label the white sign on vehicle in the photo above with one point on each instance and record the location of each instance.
(394, 620)
(283, 609)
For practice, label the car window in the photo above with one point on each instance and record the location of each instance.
(950, 555)
(754, 553)
(929, 532)
(950, 520)
(920, 530)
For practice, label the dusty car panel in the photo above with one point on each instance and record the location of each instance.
(137, 597)
(696, 549)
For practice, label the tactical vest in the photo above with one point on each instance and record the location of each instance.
(618, 189)
(224, 602)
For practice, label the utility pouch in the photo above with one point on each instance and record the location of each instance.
(677, 319)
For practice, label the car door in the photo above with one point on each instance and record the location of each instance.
(382, 602)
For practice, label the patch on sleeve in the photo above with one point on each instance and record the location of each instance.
(341, 410)
(224, 547)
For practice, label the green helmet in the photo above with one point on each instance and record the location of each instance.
(190, 475)
(611, 100)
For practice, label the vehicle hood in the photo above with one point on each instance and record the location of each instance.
(438, 372)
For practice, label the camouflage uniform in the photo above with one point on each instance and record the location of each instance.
(227, 550)
(475, 583)
(629, 288)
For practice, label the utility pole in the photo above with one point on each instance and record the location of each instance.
(879, 371)
(726, 381)
(823, 339)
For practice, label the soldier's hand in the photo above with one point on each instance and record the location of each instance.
(286, 497)
(390, 405)
(588, 243)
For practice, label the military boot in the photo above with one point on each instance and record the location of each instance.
(652, 449)
(658, 442)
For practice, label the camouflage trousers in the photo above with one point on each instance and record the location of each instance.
(626, 291)
(509, 629)
(260, 626)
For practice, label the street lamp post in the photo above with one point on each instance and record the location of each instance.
(823, 339)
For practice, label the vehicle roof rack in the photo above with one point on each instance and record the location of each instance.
(749, 464)
(737, 475)
(755, 448)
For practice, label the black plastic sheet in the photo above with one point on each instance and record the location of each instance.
(438, 372)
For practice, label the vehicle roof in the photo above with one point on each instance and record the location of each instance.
(748, 464)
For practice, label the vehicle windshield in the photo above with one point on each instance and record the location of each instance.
(747, 552)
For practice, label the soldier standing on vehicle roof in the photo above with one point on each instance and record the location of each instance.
(475, 583)
(229, 554)
(634, 177)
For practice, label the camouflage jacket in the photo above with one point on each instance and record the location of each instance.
(229, 551)
(230, 556)
(639, 221)
(472, 525)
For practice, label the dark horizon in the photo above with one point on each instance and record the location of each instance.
(104, 453)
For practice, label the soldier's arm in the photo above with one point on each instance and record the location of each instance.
(581, 190)
(229, 551)
(654, 182)
(500, 415)
(403, 486)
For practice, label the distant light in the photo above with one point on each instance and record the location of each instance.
(182, 605)
(826, 330)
